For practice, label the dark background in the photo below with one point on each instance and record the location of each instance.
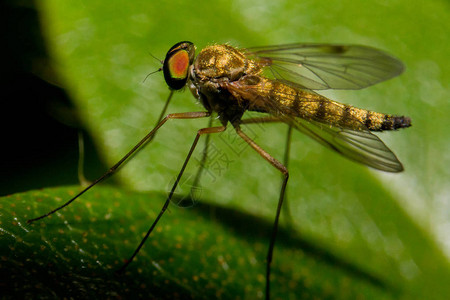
(39, 124)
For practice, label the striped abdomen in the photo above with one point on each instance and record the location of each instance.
(311, 106)
(330, 112)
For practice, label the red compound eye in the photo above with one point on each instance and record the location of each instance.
(179, 64)
(176, 65)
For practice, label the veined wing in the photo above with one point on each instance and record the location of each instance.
(322, 66)
(356, 143)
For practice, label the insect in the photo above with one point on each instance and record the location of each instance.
(279, 81)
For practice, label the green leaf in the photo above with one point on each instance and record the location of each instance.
(205, 252)
(354, 232)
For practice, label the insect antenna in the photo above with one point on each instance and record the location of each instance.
(159, 60)
(159, 70)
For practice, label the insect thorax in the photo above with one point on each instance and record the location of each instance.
(214, 66)
(223, 62)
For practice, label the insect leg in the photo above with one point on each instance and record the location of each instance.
(287, 151)
(81, 178)
(187, 115)
(271, 119)
(203, 131)
(196, 184)
(161, 115)
(285, 173)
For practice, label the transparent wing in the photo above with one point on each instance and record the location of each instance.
(356, 143)
(322, 66)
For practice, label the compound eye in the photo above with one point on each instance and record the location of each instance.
(179, 65)
(176, 64)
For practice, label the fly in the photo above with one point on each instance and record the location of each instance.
(280, 81)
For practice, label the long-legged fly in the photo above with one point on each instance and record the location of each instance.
(279, 81)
